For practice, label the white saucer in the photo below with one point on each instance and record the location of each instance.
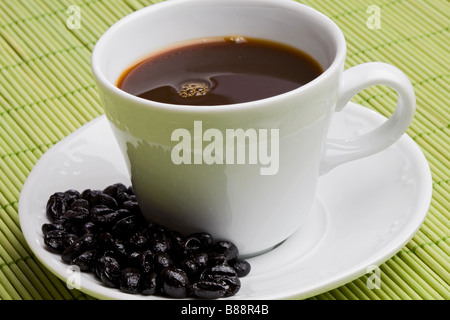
(365, 211)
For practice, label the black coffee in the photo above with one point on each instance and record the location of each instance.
(218, 71)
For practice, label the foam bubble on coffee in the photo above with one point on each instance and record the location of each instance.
(193, 89)
(236, 39)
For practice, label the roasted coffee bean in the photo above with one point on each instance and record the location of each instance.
(165, 240)
(205, 238)
(176, 237)
(175, 282)
(89, 227)
(104, 241)
(218, 271)
(224, 275)
(127, 201)
(77, 216)
(71, 195)
(241, 266)
(123, 213)
(156, 229)
(83, 203)
(130, 280)
(209, 289)
(103, 199)
(80, 245)
(114, 189)
(111, 246)
(46, 227)
(69, 239)
(233, 284)
(108, 270)
(126, 227)
(227, 248)
(190, 245)
(105, 217)
(133, 259)
(195, 265)
(86, 261)
(192, 270)
(160, 244)
(56, 207)
(88, 194)
(133, 198)
(201, 259)
(215, 258)
(161, 260)
(146, 261)
(71, 227)
(121, 197)
(120, 249)
(139, 241)
(131, 190)
(115, 255)
(99, 211)
(54, 240)
(131, 206)
(150, 283)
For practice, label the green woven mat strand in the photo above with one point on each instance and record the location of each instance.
(47, 91)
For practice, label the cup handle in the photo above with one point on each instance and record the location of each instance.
(354, 80)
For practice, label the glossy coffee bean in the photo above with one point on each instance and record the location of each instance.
(175, 282)
(86, 261)
(69, 239)
(209, 289)
(56, 207)
(83, 203)
(145, 261)
(161, 261)
(108, 270)
(160, 244)
(195, 265)
(150, 283)
(77, 216)
(126, 227)
(139, 241)
(232, 284)
(103, 199)
(227, 248)
(54, 240)
(217, 272)
(130, 280)
(88, 194)
(89, 227)
(71, 195)
(47, 227)
(115, 189)
(241, 266)
(131, 206)
(78, 246)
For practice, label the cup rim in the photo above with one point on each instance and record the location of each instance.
(332, 68)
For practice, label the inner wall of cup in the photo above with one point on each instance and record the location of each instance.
(154, 28)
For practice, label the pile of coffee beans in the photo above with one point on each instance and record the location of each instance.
(104, 232)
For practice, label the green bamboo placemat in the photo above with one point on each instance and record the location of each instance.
(47, 91)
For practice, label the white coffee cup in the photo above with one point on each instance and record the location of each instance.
(255, 205)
